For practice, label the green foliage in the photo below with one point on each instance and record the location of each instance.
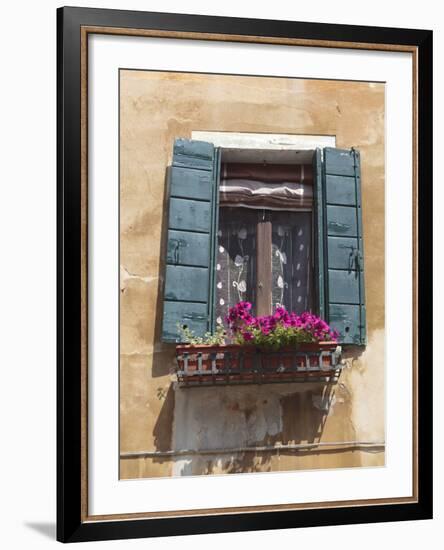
(188, 336)
(280, 337)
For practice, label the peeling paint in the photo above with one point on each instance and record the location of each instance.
(324, 403)
(233, 417)
(125, 276)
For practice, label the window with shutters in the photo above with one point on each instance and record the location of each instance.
(269, 227)
(264, 238)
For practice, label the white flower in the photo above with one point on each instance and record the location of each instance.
(221, 301)
(219, 285)
(221, 249)
(238, 261)
(241, 287)
(280, 282)
(282, 256)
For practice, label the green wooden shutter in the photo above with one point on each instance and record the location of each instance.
(318, 241)
(192, 227)
(341, 263)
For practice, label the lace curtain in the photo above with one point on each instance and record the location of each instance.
(282, 197)
(236, 259)
(291, 259)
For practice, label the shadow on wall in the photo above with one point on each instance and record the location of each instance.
(162, 430)
(227, 419)
(303, 416)
(353, 352)
(164, 354)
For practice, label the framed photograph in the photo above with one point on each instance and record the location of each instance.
(244, 274)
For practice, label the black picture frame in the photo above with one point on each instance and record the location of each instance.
(72, 526)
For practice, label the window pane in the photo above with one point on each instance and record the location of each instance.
(236, 259)
(291, 260)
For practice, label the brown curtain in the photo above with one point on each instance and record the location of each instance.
(271, 186)
(257, 194)
(301, 173)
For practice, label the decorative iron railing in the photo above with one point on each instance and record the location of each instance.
(232, 364)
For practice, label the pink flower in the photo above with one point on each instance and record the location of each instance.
(305, 327)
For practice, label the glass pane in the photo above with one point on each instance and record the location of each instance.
(291, 260)
(236, 259)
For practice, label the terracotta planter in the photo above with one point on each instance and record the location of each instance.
(241, 363)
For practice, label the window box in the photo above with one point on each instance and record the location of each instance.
(207, 365)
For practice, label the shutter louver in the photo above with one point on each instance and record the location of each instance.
(343, 269)
(189, 274)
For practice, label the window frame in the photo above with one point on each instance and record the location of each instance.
(264, 246)
(263, 279)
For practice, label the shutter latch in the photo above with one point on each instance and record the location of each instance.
(354, 259)
(176, 252)
(358, 259)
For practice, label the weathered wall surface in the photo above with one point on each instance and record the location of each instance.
(155, 415)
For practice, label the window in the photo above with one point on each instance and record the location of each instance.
(264, 233)
(269, 227)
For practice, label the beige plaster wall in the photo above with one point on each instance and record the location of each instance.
(156, 108)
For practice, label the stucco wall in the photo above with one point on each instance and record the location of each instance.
(155, 109)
